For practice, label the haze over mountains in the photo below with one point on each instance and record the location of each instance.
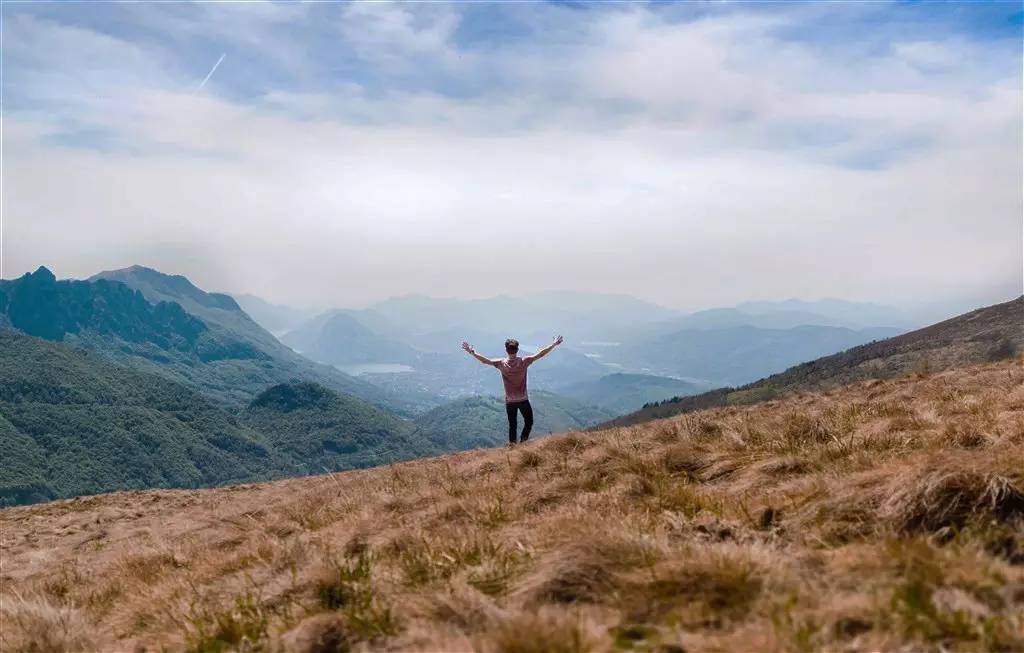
(135, 378)
(275, 318)
(988, 334)
(410, 343)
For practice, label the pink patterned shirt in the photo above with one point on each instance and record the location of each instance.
(513, 376)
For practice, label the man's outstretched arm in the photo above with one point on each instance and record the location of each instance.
(546, 350)
(472, 352)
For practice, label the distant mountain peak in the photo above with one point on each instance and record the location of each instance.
(43, 274)
(143, 268)
(159, 286)
(39, 305)
(143, 272)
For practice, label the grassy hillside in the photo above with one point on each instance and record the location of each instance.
(325, 431)
(888, 515)
(73, 423)
(621, 393)
(481, 421)
(987, 334)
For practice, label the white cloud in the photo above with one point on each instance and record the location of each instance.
(395, 35)
(691, 162)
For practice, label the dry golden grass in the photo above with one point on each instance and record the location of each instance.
(887, 515)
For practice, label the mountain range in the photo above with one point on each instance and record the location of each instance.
(136, 379)
(367, 343)
(165, 325)
(738, 354)
(409, 344)
(987, 334)
(73, 422)
(837, 312)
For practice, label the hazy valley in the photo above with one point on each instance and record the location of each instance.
(138, 379)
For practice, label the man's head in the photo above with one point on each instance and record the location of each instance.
(511, 346)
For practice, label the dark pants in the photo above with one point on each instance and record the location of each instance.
(513, 409)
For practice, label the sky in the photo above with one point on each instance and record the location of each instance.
(690, 154)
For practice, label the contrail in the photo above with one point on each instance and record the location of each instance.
(210, 74)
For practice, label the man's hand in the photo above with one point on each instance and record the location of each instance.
(557, 341)
(468, 347)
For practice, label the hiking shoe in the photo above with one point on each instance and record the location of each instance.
(510, 445)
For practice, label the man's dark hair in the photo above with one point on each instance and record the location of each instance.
(511, 346)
